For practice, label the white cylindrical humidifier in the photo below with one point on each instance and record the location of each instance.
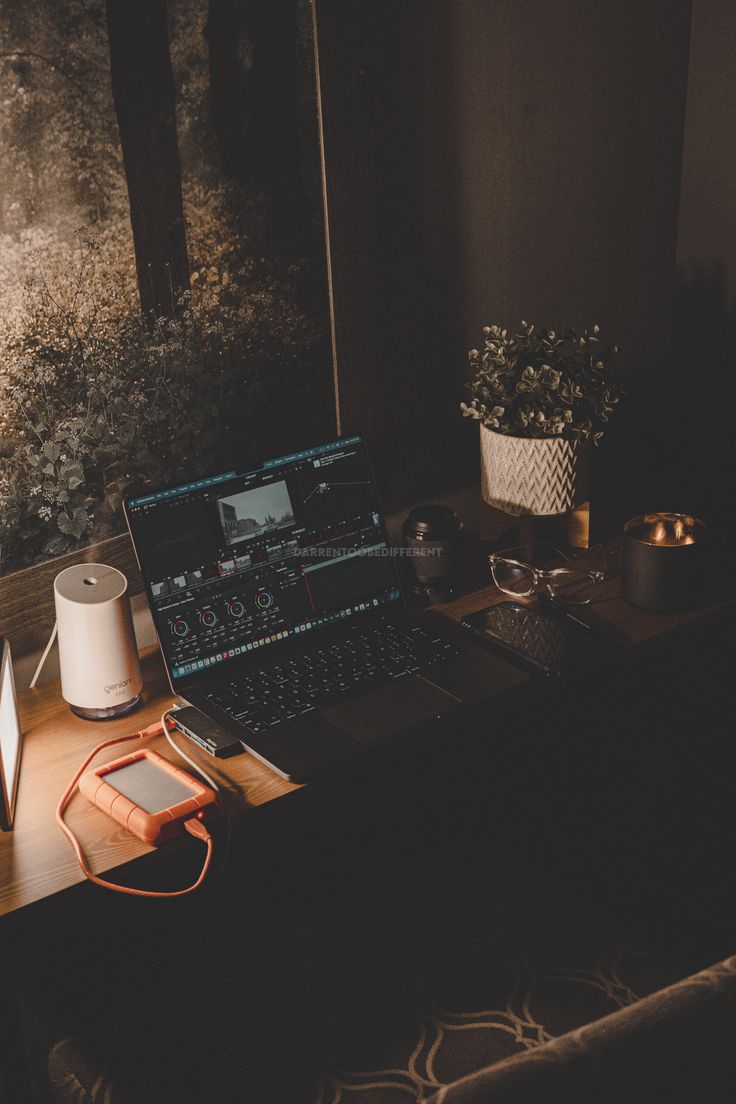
(100, 673)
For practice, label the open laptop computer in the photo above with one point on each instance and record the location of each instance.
(280, 617)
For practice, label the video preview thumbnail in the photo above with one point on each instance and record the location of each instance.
(256, 512)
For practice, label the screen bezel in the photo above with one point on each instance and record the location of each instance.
(277, 648)
(9, 787)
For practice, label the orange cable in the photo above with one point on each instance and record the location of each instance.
(193, 826)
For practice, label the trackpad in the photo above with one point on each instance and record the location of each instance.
(398, 705)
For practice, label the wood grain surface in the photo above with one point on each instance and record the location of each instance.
(36, 861)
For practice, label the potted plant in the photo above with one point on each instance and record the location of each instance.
(542, 399)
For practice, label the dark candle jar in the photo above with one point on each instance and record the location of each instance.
(664, 562)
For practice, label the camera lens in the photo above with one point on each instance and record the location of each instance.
(433, 534)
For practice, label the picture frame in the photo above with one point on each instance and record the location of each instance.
(11, 740)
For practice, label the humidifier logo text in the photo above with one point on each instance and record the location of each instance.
(114, 687)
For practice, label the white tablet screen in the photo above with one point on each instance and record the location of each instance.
(9, 730)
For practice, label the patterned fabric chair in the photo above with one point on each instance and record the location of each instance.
(676, 1046)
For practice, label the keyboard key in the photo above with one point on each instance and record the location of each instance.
(256, 727)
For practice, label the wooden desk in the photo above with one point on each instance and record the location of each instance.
(36, 861)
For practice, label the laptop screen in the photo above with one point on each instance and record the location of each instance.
(236, 562)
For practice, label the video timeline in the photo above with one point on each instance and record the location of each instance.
(216, 619)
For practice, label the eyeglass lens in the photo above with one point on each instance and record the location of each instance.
(513, 578)
(575, 587)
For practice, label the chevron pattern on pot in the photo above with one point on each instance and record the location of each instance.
(521, 475)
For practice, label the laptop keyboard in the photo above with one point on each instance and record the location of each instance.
(274, 695)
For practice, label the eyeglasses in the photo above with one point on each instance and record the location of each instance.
(572, 579)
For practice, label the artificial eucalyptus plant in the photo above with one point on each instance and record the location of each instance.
(538, 383)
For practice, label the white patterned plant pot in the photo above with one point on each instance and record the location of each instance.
(522, 475)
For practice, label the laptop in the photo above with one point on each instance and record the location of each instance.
(278, 609)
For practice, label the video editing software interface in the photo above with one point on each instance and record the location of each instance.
(238, 561)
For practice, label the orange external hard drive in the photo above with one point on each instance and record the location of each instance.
(147, 794)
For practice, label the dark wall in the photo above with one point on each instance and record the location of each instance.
(486, 162)
(707, 237)
(388, 119)
(702, 380)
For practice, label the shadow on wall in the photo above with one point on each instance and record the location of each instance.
(671, 445)
(701, 403)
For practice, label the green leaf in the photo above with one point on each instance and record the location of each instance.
(55, 546)
(71, 467)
